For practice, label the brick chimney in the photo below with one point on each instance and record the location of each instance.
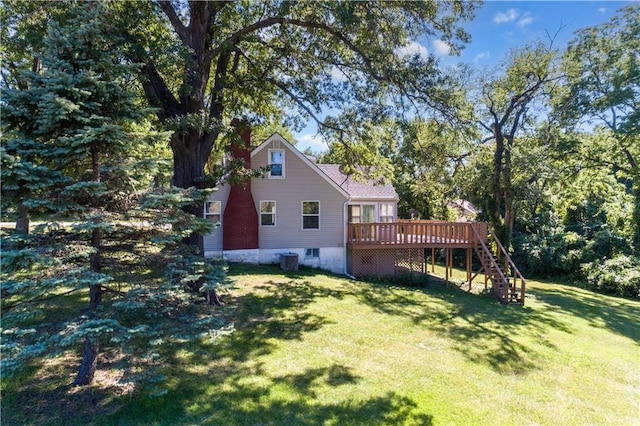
(240, 218)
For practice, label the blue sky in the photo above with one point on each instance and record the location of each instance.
(499, 26)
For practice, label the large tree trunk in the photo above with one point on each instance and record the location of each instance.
(509, 208)
(89, 362)
(495, 204)
(23, 219)
(636, 214)
(190, 154)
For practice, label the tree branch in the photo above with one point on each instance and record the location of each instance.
(154, 86)
(235, 38)
(176, 23)
(38, 298)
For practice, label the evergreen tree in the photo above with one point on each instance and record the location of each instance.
(74, 124)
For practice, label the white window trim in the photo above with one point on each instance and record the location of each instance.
(206, 215)
(368, 203)
(302, 215)
(269, 163)
(306, 253)
(275, 213)
(393, 211)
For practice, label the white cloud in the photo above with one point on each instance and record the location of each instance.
(527, 18)
(481, 56)
(441, 47)
(602, 10)
(507, 16)
(312, 141)
(412, 48)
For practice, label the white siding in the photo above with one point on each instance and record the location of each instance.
(213, 242)
(301, 182)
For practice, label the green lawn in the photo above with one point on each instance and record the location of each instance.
(310, 348)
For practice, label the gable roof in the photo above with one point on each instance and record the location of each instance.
(359, 190)
(345, 184)
(313, 166)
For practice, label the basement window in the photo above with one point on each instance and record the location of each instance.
(312, 252)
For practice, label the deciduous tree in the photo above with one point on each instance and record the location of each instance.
(603, 88)
(204, 62)
(510, 103)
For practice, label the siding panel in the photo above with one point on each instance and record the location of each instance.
(213, 242)
(301, 182)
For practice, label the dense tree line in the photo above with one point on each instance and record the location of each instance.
(549, 155)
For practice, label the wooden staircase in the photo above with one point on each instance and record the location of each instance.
(507, 283)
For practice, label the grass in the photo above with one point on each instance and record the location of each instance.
(310, 348)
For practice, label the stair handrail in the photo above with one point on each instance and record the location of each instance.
(486, 250)
(506, 255)
(516, 272)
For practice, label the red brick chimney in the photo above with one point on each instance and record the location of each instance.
(240, 218)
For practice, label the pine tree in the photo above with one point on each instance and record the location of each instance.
(73, 151)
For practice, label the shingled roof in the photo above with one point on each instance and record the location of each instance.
(370, 189)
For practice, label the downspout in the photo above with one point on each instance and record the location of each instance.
(344, 239)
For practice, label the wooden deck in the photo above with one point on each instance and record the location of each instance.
(415, 234)
(397, 248)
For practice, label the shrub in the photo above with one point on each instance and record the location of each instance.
(619, 276)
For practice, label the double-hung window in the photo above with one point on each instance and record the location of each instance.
(213, 211)
(267, 213)
(311, 215)
(386, 212)
(276, 163)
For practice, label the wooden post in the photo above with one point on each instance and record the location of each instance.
(411, 261)
(433, 259)
(446, 265)
(469, 267)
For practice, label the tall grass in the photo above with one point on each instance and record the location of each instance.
(310, 348)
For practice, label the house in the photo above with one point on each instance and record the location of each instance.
(464, 210)
(298, 207)
(333, 222)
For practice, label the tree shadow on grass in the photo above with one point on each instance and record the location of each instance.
(226, 382)
(481, 329)
(619, 315)
(234, 396)
(274, 311)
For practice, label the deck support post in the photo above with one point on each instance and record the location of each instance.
(433, 259)
(446, 264)
(469, 267)
(451, 262)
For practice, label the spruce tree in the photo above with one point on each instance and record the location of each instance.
(74, 151)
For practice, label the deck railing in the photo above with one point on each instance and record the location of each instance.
(511, 269)
(415, 233)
